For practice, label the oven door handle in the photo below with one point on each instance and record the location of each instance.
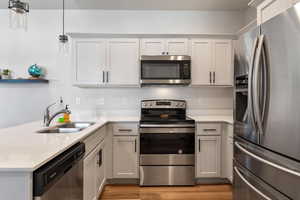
(167, 126)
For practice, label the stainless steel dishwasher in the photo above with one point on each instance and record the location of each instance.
(62, 177)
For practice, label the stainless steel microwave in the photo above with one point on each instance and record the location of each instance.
(165, 70)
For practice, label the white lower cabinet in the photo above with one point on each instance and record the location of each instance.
(125, 157)
(94, 173)
(228, 133)
(208, 156)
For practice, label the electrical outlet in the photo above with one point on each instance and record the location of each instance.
(100, 101)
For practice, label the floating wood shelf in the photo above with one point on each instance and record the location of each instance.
(24, 81)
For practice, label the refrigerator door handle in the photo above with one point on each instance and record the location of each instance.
(250, 185)
(256, 90)
(266, 161)
(265, 82)
(250, 89)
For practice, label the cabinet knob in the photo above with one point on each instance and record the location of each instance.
(163, 53)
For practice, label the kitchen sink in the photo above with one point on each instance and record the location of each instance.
(72, 127)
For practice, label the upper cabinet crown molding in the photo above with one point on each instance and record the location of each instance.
(255, 3)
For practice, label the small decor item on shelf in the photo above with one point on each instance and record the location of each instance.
(6, 74)
(35, 71)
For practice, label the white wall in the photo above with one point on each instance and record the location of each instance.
(39, 45)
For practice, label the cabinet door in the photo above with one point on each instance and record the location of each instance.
(229, 153)
(89, 176)
(123, 62)
(177, 46)
(125, 157)
(223, 66)
(90, 61)
(201, 62)
(100, 168)
(152, 47)
(208, 156)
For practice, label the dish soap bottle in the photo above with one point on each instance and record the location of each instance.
(67, 115)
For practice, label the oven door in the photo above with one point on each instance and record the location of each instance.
(167, 140)
(165, 72)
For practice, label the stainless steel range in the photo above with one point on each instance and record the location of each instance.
(167, 144)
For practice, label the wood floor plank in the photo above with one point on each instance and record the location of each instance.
(133, 192)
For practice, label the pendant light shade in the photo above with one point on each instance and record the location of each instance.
(18, 14)
(18, 6)
(63, 38)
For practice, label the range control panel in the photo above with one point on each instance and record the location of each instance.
(163, 103)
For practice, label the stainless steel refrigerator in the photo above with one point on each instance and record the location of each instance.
(267, 110)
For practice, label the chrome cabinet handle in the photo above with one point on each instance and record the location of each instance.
(135, 145)
(199, 148)
(214, 77)
(125, 130)
(209, 77)
(103, 76)
(250, 185)
(107, 77)
(99, 162)
(257, 112)
(209, 129)
(250, 86)
(266, 161)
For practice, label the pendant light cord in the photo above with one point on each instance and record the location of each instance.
(63, 17)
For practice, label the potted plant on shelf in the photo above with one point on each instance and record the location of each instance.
(6, 74)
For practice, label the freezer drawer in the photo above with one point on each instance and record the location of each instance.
(276, 170)
(249, 187)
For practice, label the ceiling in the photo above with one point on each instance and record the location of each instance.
(224, 5)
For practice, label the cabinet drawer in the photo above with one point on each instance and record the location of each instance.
(125, 129)
(94, 139)
(209, 128)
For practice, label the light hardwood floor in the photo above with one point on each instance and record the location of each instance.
(203, 192)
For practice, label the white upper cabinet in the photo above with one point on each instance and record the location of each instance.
(201, 62)
(107, 62)
(152, 47)
(177, 46)
(90, 60)
(123, 62)
(171, 46)
(212, 62)
(223, 70)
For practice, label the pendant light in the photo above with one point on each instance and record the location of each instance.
(63, 38)
(18, 14)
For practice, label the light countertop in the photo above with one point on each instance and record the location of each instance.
(23, 149)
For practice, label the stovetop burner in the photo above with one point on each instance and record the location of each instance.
(163, 111)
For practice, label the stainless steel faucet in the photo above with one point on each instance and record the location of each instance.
(48, 118)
